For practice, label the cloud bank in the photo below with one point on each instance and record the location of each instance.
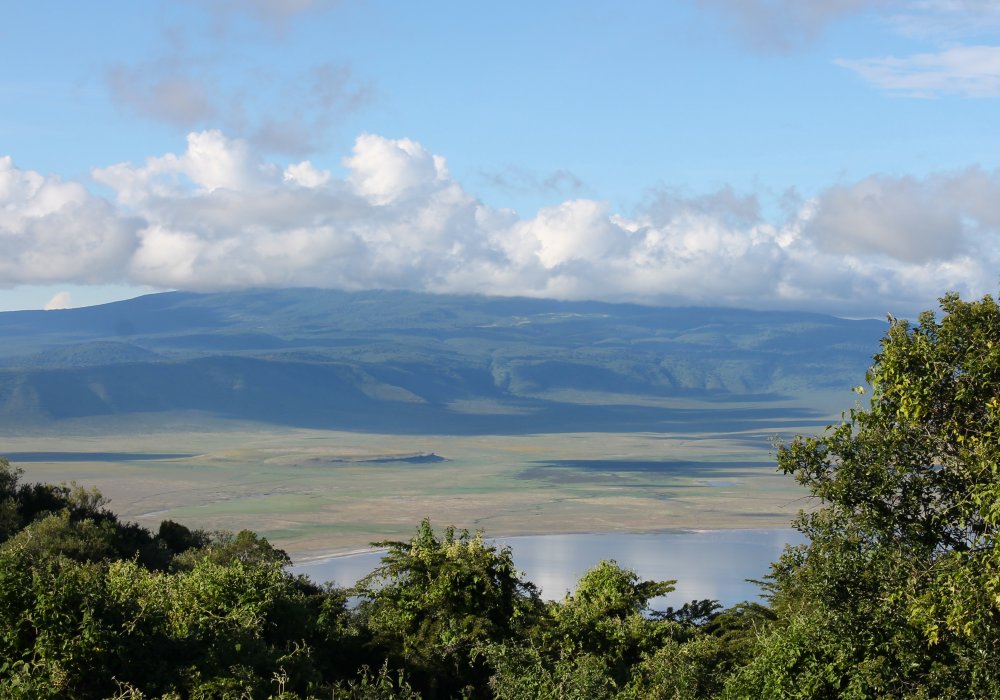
(219, 216)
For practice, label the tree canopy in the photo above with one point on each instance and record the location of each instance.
(897, 592)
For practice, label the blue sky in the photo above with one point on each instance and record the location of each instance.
(838, 156)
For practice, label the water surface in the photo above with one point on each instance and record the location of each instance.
(706, 564)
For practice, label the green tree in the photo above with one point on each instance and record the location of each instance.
(10, 516)
(589, 644)
(226, 627)
(897, 592)
(382, 685)
(609, 615)
(73, 517)
(434, 599)
(178, 538)
(58, 534)
(222, 547)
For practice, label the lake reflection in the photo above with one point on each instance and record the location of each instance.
(710, 564)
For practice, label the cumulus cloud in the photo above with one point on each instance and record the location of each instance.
(306, 175)
(55, 231)
(914, 221)
(577, 231)
(220, 216)
(384, 170)
(890, 216)
(212, 161)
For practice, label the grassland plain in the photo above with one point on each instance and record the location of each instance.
(319, 492)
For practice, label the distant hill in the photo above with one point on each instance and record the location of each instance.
(408, 362)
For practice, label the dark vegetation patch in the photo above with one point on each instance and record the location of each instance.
(678, 467)
(566, 475)
(420, 458)
(619, 472)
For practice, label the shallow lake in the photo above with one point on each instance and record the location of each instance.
(706, 564)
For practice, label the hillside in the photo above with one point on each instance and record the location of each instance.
(407, 362)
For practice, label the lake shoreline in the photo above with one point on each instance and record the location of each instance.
(717, 564)
(305, 559)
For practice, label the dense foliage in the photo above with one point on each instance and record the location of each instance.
(91, 607)
(896, 593)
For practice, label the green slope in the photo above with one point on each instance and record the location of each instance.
(409, 362)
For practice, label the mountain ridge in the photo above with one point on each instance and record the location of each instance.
(402, 361)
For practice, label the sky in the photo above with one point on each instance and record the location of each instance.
(839, 156)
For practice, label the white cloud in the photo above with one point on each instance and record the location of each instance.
(306, 175)
(970, 71)
(59, 300)
(212, 161)
(219, 216)
(903, 218)
(384, 170)
(55, 231)
(940, 218)
(577, 230)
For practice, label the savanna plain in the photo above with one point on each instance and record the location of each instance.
(323, 492)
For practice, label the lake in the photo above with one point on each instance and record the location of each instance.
(707, 564)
